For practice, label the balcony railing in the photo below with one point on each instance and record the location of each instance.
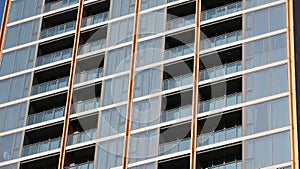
(85, 105)
(88, 75)
(82, 137)
(221, 40)
(92, 46)
(219, 136)
(176, 113)
(178, 81)
(59, 112)
(94, 19)
(174, 146)
(53, 57)
(231, 165)
(221, 11)
(179, 51)
(220, 102)
(46, 115)
(59, 29)
(49, 86)
(181, 22)
(87, 165)
(41, 146)
(220, 70)
(58, 4)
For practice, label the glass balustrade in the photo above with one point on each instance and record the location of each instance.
(85, 105)
(53, 57)
(59, 112)
(94, 19)
(174, 146)
(41, 147)
(49, 86)
(178, 81)
(87, 165)
(179, 51)
(231, 165)
(88, 75)
(176, 113)
(82, 137)
(59, 29)
(92, 46)
(46, 115)
(221, 11)
(58, 4)
(220, 102)
(220, 70)
(221, 40)
(180, 22)
(219, 136)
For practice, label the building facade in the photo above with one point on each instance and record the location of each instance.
(146, 84)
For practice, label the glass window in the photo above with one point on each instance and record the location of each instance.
(21, 34)
(151, 23)
(260, 24)
(21, 9)
(12, 117)
(151, 3)
(147, 82)
(113, 121)
(277, 17)
(265, 20)
(17, 60)
(265, 51)
(118, 60)
(145, 113)
(115, 90)
(15, 88)
(143, 146)
(268, 150)
(122, 7)
(110, 153)
(267, 115)
(11, 166)
(121, 31)
(149, 52)
(274, 81)
(10, 146)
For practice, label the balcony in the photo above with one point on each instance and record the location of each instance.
(176, 113)
(221, 11)
(178, 81)
(92, 46)
(174, 146)
(88, 75)
(59, 29)
(94, 19)
(82, 137)
(220, 70)
(219, 136)
(54, 57)
(181, 22)
(58, 4)
(220, 102)
(59, 112)
(41, 147)
(85, 105)
(179, 51)
(87, 165)
(49, 86)
(46, 115)
(210, 73)
(231, 165)
(220, 40)
(55, 143)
